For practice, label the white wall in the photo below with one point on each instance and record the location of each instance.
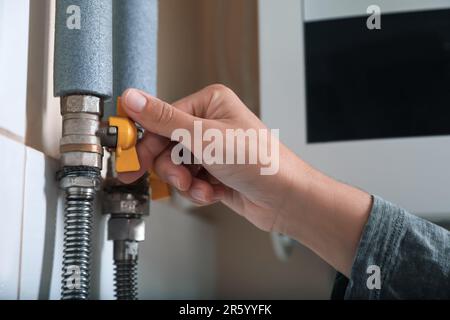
(13, 64)
(13, 81)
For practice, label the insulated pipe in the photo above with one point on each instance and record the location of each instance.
(83, 48)
(135, 46)
(83, 80)
(134, 56)
(82, 76)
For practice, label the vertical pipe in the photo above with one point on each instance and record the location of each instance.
(83, 80)
(134, 57)
(135, 45)
(83, 48)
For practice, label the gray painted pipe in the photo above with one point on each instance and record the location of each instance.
(135, 45)
(83, 48)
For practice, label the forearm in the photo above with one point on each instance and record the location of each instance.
(325, 215)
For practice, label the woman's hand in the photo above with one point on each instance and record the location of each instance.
(242, 187)
(296, 200)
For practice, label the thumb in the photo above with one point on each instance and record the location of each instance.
(155, 115)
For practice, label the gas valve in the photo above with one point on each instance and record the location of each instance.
(120, 134)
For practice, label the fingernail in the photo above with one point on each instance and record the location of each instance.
(135, 101)
(174, 181)
(198, 195)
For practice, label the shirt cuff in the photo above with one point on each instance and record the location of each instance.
(375, 257)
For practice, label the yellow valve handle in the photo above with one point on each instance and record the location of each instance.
(126, 155)
(159, 189)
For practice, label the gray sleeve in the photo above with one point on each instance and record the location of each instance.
(400, 256)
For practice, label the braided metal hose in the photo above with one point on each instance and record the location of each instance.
(125, 280)
(77, 243)
(126, 263)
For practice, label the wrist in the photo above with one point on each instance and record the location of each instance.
(323, 214)
(296, 177)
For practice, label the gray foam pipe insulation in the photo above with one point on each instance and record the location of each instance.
(83, 49)
(135, 45)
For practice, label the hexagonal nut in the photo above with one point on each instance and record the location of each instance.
(126, 229)
(87, 159)
(79, 182)
(120, 203)
(81, 104)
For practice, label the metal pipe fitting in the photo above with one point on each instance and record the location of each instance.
(80, 145)
(127, 205)
(108, 135)
(126, 228)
